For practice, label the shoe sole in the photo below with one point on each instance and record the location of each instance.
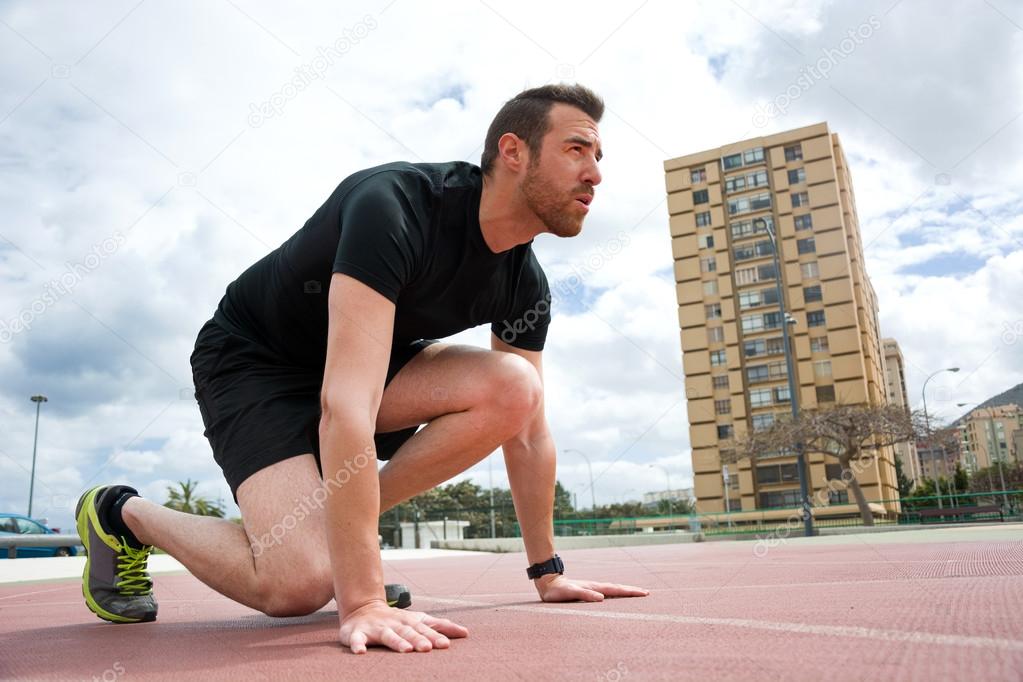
(82, 523)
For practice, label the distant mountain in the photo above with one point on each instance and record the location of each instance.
(1013, 395)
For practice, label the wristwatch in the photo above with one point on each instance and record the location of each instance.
(553, 565)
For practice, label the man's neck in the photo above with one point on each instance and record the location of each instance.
(505, 220)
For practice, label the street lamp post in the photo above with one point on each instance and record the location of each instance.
(801, 469)
(667, 478)
(38, 400)
(927, 426)
(593, 495)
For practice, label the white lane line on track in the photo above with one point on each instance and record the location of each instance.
(794, 628)
(26, 594)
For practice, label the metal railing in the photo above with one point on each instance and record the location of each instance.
(13, 542)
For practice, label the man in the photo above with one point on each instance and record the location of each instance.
(319, 358)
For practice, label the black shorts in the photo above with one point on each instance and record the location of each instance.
(259, 411)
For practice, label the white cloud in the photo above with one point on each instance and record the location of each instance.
(149, 135)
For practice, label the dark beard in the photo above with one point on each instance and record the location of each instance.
(549, 206)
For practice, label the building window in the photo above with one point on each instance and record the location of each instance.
(757, 297)
(745, 275)
(722, 407)
(698, 175)
(745, 228)
(715, 334)
(762, 421)
(794, 153)
(811, 294)
(806, 245)
(797, 176)
(753, 250)
(760, 397)
(720, 381)
(766, 272)
(838, 497)
(822, 368)
(700, 196)
(731, 161)
(815, 318)
(703, 219)
(803, 222)
(713, 311)
(708, 264)
(780, 498)
(809, 270)
(833, 472)
(717, 358)
(755, 202)
(826, 394)
(799, 199)
(751, 156)
(777, 473)
(739, 183)
(725, 431)
(710, 287)
(781, 394)
(705, 241)
(758, 373)
(818, 344)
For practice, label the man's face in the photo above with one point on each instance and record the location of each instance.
(558, 186)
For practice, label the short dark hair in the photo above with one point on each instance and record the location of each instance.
(525, 115)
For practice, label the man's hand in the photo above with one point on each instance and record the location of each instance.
(559, 588)
(403, 631)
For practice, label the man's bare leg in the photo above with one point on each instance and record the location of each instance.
(473, 399)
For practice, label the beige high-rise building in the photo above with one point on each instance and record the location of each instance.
(722, 203)
(988, 437)
(895, 380)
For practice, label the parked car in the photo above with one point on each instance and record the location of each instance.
(18, 524)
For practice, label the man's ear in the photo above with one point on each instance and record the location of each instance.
(513, 151)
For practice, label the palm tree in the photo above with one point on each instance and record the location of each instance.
(186, 500)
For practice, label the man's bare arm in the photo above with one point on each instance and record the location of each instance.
(531, 460)
(358, 351)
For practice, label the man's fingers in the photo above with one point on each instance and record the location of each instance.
(591, 595)
(446, 627)
(357, 642)
(437, 639)
(392, 640)
(413, 637)
(615, 590)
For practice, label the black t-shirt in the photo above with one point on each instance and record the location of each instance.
(411, 232)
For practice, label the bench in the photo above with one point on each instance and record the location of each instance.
(961, 511)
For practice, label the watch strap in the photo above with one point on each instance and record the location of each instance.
(552, 565)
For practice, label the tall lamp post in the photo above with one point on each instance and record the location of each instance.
(593, 495)
(804, 483)
(927, 425)
(38, 400)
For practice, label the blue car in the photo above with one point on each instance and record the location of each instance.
(17, 524)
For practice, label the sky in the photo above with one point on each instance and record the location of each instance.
(150, 151)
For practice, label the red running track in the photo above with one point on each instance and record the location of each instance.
(804, 611)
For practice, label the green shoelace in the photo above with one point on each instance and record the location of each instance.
(131, 570)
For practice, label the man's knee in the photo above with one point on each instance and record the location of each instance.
(296, 592)
(514, 388)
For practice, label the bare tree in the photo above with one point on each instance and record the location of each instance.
(849, 433)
